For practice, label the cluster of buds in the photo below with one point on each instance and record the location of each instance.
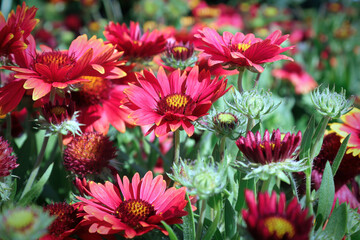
(24, 223)
(225, 123)
(60, 118)
(202, 177)
(254, 103)
(179, 55)
(330, 103)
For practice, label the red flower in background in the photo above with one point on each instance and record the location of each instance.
(131, 209)
(269, 219)
(173, 102)
(51, 69)
(16, 29)
(241, 50)
(295, 74)
(65, 223)
(133, 43)
(7, 160)
(89, 153)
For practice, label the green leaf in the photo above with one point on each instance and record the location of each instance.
(216, 153)
(230, 220)
(243, 184)
(306, 139)
(209, 224)
(189, 223)
(326, 196)
(37, 188)
(340, 155)
(213, 227)
(256, 127)
(172, 235)
(336, 227)
(318, 137)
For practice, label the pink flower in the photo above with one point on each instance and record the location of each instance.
(241, 50)
(295, 74)
(131, 209)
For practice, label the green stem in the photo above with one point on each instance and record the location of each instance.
(308, 191)
(267, 185)
(35, 170)
(239, 81)
(8, 127)
(201, 220)
(250, 124)
(176, 146)
(222, 148)
(257, 79)
(61, 145)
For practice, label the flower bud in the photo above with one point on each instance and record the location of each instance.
(179, 55)
(254, 103)
(24, 223)
(330, 103)
(223, 124)
(201, 177)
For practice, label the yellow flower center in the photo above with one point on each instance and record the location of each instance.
(176, 101)
(272, 145)
(243, 46)
(226, 118)
(95, 84)
(279, 226)
(180, 49)
(58, 110)
(132, 211)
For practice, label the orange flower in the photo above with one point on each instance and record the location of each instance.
(351, 124)
(50, 69)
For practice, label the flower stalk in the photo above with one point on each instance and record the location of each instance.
(239, 80)
(176, 146)
(201, 220)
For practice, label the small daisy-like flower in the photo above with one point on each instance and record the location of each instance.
(133, 43)
(15, 30)
(270, 155)
(269, 218)
(174, 101)
(202, 177)
(330, 103)
(350, 125)
(24, 223)
(296, 75)
(89, 153)
(60, 118)
(132, 209)
(65, 222)
(239, 50)
(7, 159)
